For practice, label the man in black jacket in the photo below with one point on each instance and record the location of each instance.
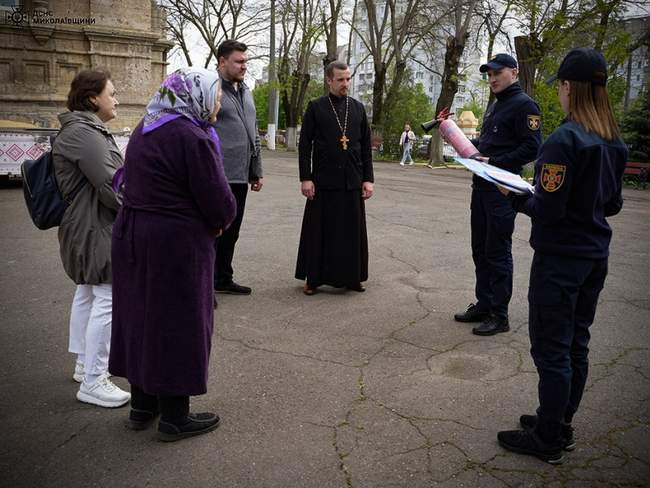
(337, 177)
(510, 137)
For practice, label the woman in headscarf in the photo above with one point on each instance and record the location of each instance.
(176, 200)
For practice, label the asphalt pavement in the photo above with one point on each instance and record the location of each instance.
(341, 389)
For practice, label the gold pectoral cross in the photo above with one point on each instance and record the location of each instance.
(344, 142)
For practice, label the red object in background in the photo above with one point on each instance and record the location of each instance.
(451, 133)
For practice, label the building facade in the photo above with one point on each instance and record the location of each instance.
(45, 43)
(637, 69)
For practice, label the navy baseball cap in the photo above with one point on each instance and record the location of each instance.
(582, 64)
(499, 61)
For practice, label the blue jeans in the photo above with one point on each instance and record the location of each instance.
(406, 154)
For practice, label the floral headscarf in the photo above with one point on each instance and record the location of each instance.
(187, 92)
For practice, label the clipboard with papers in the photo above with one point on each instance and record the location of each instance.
(511, 181)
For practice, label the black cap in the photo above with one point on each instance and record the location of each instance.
(582, 64)
(499, 61)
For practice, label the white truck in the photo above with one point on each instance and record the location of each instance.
(17, 145)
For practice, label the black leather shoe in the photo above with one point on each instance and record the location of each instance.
(529, 422)
(356, 287)
(472, 314)
(527, 442)
(233, 289)
(193, 424)
(140, 419)
(492, 325)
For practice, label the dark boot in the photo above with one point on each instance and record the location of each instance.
(141, 419)
(144, 409)
(232, 288)
(472, 314)
(529, 422)
(356, 287)
(492, 325)
(193, 424)
(528, 442)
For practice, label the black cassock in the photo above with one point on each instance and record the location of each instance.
(333, 246)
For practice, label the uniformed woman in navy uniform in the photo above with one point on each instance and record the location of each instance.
(578, 180)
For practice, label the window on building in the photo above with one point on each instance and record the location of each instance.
(419, 75)
(639, 64)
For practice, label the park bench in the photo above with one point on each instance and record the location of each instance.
(637, 173)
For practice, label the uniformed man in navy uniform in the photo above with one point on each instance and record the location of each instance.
(510, 138)
(578, 183)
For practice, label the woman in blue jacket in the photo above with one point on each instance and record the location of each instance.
(578, 177)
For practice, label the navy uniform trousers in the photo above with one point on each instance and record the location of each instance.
(563, 295)
(493, 222)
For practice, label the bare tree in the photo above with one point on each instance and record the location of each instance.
(216, 21)
(331, 33)
(493, 14)
(460, 19)
(301, 30)
(177, 26)
(391, 32)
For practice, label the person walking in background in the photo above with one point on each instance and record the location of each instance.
(406, 142)
(578, 183)
(237, 129)
(176, 201)
(85, 157)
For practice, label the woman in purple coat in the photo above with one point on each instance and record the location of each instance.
(176, 200)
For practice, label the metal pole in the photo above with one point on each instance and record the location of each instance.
(273, 91)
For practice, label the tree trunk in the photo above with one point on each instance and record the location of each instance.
(291, 138)
(453, 53)
(378, 95)
(529, 54)
(490, 49)
(331, 41)
(299, 83)
(393, 90)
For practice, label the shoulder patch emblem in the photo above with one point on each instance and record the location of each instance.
(552, 176)
(533, 122)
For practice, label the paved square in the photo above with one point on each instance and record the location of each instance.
(379, 389)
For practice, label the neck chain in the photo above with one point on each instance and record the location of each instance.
(344, 139)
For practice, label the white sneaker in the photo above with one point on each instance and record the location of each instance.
(411, 163)
(401, 164)
(103, 392)
(78, 375)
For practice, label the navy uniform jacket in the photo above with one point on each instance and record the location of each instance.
(578, 182)
(321, 156)
(511, 133)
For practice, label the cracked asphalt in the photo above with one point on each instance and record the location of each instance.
(379, 389)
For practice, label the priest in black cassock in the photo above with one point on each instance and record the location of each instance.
(336, 174)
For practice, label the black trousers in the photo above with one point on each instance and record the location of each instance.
(493, 222)
(225, 244)
(171, 408)
(562, 298)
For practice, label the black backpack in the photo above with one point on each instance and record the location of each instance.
(45, 203)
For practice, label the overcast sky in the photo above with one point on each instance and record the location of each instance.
(199, 51)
